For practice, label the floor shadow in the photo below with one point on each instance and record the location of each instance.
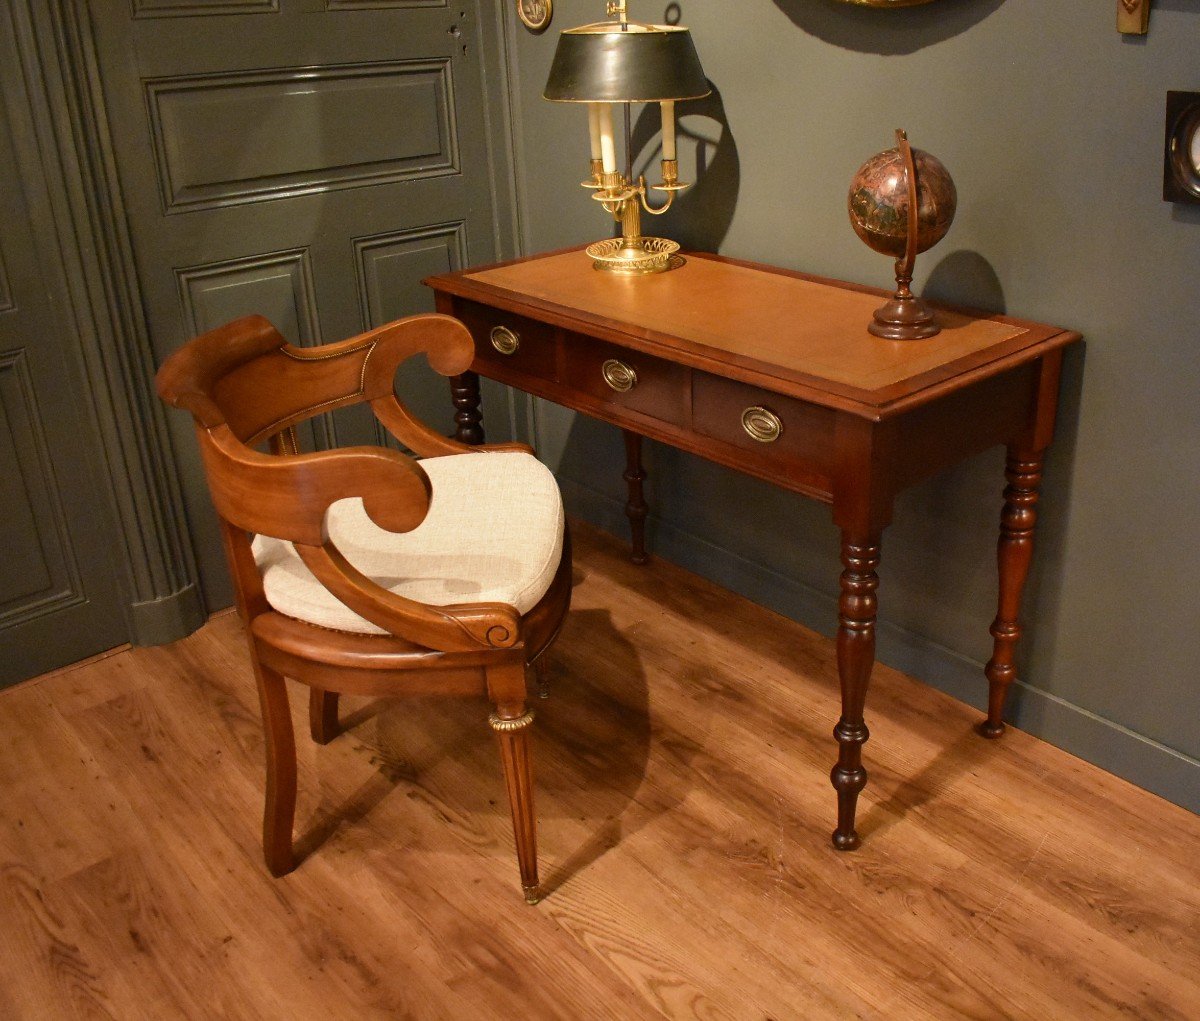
(968, 751)
(357, 717)
(330, 816)
(887, 32)
(597, 733)
(592, 745)
(392, 768)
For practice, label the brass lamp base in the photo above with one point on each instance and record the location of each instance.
(636, 255)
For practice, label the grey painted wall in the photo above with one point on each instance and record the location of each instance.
(1051, 124)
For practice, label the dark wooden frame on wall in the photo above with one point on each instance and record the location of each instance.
(59, 74)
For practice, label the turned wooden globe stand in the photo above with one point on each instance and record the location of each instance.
(906, 316)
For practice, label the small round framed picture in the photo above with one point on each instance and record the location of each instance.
(535, 14)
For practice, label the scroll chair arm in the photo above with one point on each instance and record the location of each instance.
(467, 627)
(287, 497)
(424, 441)
(452, 356)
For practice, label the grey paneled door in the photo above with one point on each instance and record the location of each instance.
(308, 159)
(58, 597)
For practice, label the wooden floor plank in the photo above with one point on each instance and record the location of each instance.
(684, 816)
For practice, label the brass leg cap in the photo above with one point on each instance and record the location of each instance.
(506, 726)
(533, 894)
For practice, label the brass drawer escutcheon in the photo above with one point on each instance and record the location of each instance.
(505, 341)
(761, 424)
(619, 376)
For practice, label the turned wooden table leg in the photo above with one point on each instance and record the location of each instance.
(635, 508)
(1014, 554)
(857, 610)
(468, 420)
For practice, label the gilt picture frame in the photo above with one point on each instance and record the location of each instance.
(535, 15)
(886, 3)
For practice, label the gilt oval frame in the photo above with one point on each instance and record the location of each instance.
(886, 3)
(533, 22)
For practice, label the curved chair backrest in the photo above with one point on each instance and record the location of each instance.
(244, 385)
(245, 375)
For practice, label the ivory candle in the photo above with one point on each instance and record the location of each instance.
(594, 128)
(668, 129)
(608, 148)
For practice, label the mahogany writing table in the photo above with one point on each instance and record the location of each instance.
(773, 373)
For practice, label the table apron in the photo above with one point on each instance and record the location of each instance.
(701, 412)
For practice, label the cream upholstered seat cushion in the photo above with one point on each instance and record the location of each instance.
(493, 534)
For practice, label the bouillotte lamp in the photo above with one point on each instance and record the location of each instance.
(627, 62)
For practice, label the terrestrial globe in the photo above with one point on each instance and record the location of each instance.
(879, 202)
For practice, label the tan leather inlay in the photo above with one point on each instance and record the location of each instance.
(746, 312)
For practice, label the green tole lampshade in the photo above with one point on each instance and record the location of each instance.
(632, 63)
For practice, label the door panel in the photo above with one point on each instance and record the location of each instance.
(58, 597)
(311, 160)
(308, 133)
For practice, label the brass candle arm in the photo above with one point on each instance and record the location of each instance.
(670, 184)
(646, 205)
(611, 190)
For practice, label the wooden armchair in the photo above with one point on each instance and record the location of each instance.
(363, 570)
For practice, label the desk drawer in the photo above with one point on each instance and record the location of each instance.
(509, 342)
(627, 379)
(763, 423)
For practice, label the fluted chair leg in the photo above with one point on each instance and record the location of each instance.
(511, 724)
(322, 715)
(279, 811)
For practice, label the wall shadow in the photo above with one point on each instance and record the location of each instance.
(701, 216)
(1183, 213)
(966, 278)
(1043, 605)
(890, 33)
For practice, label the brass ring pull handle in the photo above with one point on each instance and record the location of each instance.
(761, 425)
(505, 341)
(619, 376)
